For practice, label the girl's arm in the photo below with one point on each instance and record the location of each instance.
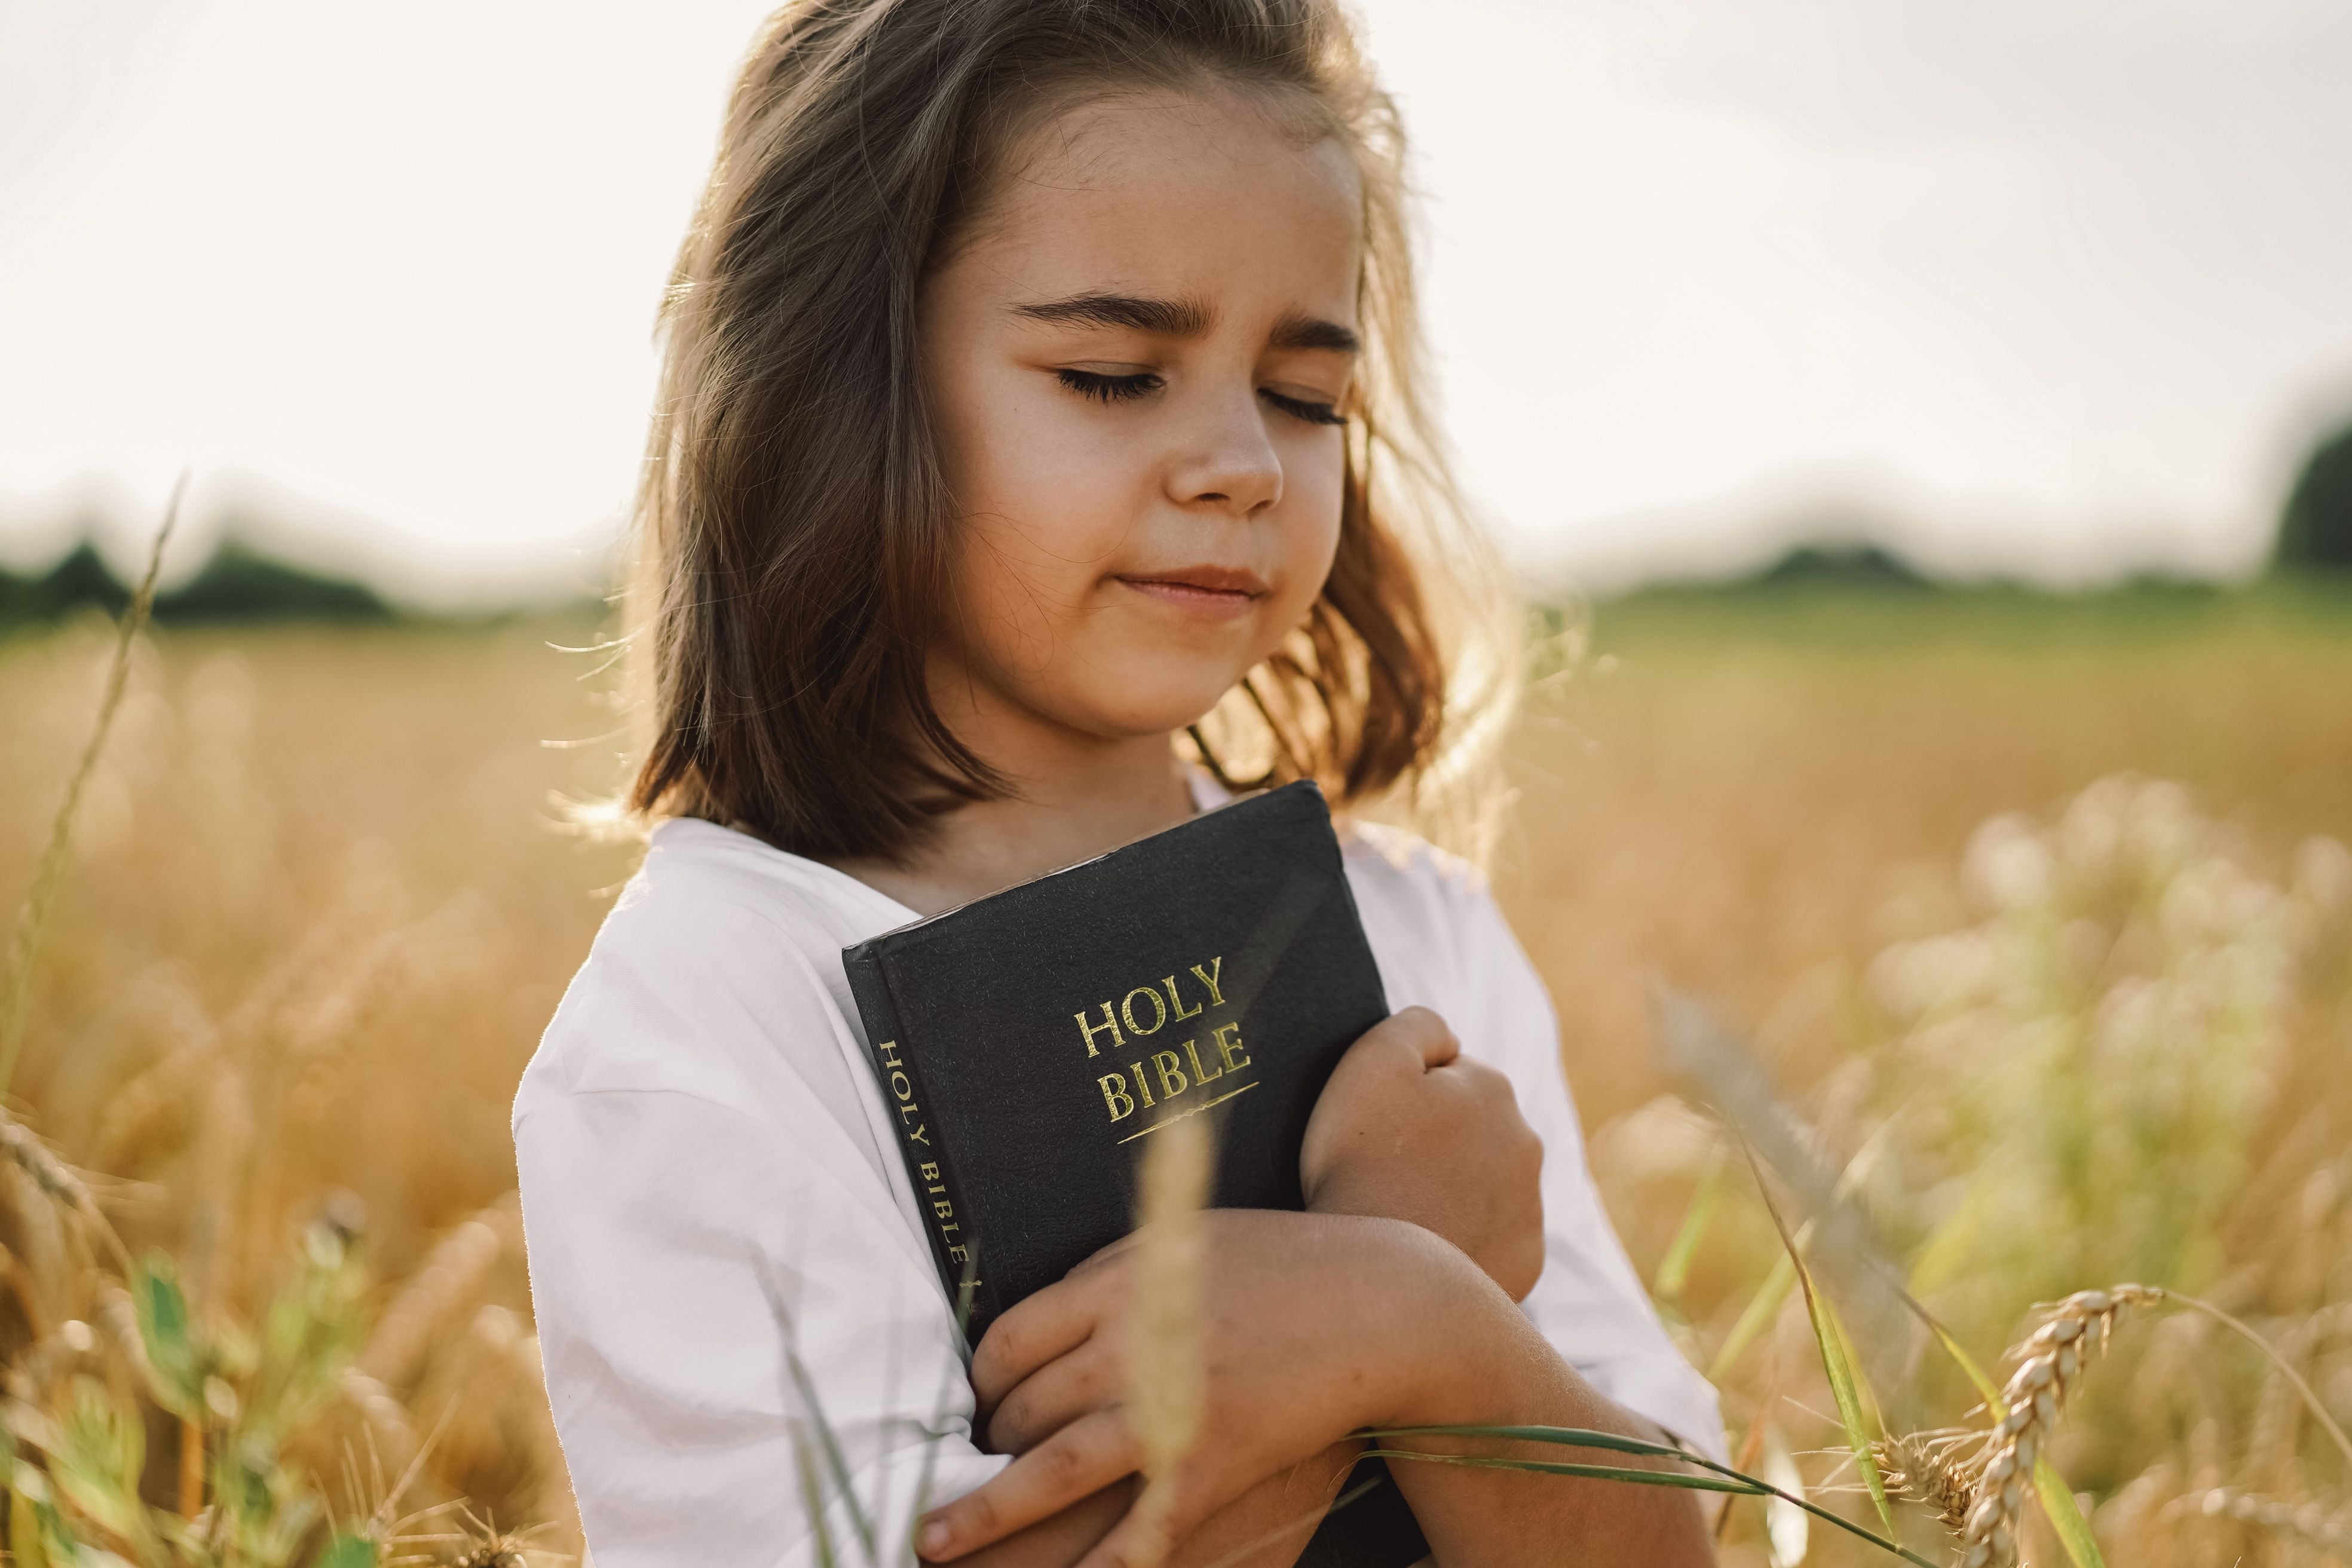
(728, 1283)
(1314, 1326)
(1391, 1306)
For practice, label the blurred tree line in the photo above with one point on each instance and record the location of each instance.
(238, 584)
(2315, 528)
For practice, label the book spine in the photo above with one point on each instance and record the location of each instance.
(929, 1166)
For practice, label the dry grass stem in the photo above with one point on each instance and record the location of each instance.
(2074, 1332)
(49, 870)
(1164, 1389)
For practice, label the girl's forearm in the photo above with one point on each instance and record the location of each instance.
(1490, 1367)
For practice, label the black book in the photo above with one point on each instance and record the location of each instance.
(1029, 1044)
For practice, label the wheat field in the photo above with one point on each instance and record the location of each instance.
(2036, 918)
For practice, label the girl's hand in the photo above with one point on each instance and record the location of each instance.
(1410, 1128)
(1311, 1327)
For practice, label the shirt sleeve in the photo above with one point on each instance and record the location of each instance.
(747, 1351)
(1588, 1302)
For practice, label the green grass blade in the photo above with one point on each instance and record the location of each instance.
(1835, 1362)
(1726, 1479)
(812, 1498)
(1673, 1270)
(350, 1551)
(1681, 1479)
(1873, 1418)
(937, 1432)
(1562, 1437)
(828, 1448)
(1986, 1389)
(2074, 1529)
(175, 1363)
(1762, 1308)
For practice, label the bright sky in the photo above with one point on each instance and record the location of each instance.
(2061, 286)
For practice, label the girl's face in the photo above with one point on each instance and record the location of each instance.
(1134, 362)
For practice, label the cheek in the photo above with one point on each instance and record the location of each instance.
(1313, 489)
(1033, 531)
(1022, 580)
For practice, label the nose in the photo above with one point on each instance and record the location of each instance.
(1229, 464)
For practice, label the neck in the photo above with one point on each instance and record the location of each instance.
(1073, 796)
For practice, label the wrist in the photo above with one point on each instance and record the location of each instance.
(1437, 1333)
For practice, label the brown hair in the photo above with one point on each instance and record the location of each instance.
(794, 525)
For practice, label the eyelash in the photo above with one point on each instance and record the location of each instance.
(1119, 388)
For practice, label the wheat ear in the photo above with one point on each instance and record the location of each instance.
(2309, 1522)
(448, 1277)
(57, 1182)
(2074, 1332)
(1928, 1468)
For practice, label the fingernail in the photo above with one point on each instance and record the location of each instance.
(936, 1535)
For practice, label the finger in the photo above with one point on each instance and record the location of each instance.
(1404, 1046)
(1105, 1256)
(1091, 1378)
(1426, 1033)
(1142, 1538)
(1080, 1460)
(1040, 1328)
(1486, 1085)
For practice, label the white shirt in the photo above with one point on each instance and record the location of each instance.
(723, 1241)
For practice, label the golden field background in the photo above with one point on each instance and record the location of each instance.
(320, 906)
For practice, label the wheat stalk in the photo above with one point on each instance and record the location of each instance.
(1164, 1383)
(2074, 1332)
(48, 872)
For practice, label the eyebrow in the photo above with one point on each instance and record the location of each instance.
(1297, 331)
(1182, 318)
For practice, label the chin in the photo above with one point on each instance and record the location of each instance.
(1149, 707)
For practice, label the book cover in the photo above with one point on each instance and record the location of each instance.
(1029, 1044)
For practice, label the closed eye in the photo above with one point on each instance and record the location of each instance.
(1301, 408)
(1095, 383)
(1105, 388)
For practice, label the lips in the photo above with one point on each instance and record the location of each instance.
(1234, 580)
(1203, 592)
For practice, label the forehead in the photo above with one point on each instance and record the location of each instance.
(1213, 194)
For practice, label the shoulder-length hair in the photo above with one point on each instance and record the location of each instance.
(794, 527)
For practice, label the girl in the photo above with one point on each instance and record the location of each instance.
(1039, 454)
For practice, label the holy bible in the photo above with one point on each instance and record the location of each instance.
(1029, 1044)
